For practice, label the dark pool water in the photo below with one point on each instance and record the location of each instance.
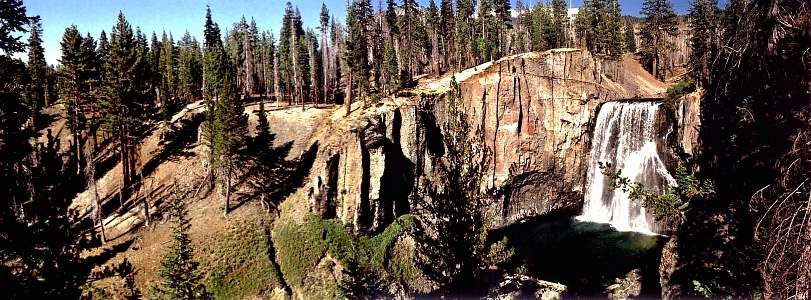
(584, 256)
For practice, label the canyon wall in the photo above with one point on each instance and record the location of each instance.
(534, 112)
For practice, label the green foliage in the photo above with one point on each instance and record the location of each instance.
(681, 88)
(300, 248)
(669, 205)
(598, 25)
(704, 290)
(180, 277)
(240, 264)
(630, 37)
(658, 25)
(500, 253)
(705, 19)
(359, 13)
(36, 69)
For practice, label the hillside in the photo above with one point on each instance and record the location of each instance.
(181, 163)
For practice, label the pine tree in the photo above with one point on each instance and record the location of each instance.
(155, 67)
(229, 128)
(630, 37)
(358, 13)
(285, 72)
(190, 68)
(180, 276)
(167, 68)
(300, 58)
(408, 28)
(122, 105)
(464, 34)
(658, 25)
(432, 21)
(391, 67)
(325, 52)
(611, 31)
(583, 24)
(250, 38)
(447, 38)
(503, 13)
(560, 21)
(73, 75)
(268, 57)
(36, 70)
(39, 255)
(704, 22)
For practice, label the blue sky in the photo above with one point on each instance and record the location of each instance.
(177, 16)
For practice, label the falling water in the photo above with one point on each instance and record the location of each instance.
(626, 137)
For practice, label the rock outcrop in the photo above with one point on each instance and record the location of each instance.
(535, 111)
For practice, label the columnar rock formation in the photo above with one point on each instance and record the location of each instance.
(535, 111)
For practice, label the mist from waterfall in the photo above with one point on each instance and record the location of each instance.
(625, 136)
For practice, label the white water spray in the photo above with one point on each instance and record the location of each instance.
(626, 137)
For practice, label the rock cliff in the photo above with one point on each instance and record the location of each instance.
(534, 111)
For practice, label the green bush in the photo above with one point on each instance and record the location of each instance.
(681, 88)
(300, 247)
(670, 205)
(240, 264)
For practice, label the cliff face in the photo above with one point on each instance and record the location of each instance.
(534, 112)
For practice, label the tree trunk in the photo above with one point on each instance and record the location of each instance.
(90, 174)
(124, 167)
(227, 189)
(146, 201)
(348, 100)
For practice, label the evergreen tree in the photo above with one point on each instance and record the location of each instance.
(122, 104)
(190, 68)
(325, 52)
(611, 31)
(391, 68)
(39, 252)
(447, 25)
(250, 39)
(268, 57)
(583, 24)
(300, 59)
(543, 32)
(36, 70)
(464, 33)
(74, 89)
(658, 25)
(630, 37)
(168, 76)
(285, 72)
(229, 129)
(357, 56)
(180, 276)
(560, 24)
(704, 23)
(155, 67)
(432, 22)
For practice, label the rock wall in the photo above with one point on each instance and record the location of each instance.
(535, 111)
(688, 114)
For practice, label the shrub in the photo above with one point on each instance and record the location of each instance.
(300, 247)
(241, 264)
(681, 88)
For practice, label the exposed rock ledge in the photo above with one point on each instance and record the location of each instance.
(535, 109)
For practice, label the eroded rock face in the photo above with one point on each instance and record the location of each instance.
(688, 115)
(534, 111)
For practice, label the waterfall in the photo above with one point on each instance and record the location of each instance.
(626, 137)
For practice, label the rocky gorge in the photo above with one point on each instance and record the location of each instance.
(535, 113)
